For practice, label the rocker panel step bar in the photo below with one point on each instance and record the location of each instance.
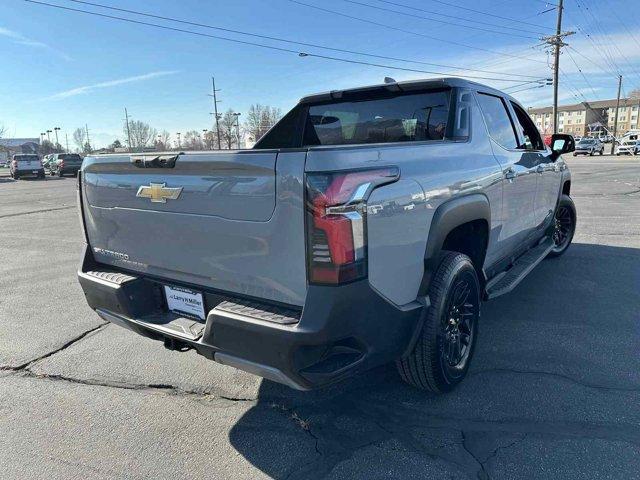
(510, 279)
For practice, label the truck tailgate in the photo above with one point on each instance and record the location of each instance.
(229, 221)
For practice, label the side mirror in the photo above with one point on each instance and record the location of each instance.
(561, 143)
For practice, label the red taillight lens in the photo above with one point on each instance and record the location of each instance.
(15, 164)
(61, 164)
(336, 222)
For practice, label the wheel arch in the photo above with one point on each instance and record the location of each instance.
(470, 213)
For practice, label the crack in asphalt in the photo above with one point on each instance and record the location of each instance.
(557, 375)
(482, 473)
(8, 215)
(26, 365)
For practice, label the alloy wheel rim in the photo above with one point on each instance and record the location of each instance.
(459, 325)
(563, 228)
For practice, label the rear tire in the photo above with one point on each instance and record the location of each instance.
(441, 357)
(60, 173)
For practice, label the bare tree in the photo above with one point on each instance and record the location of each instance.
(192, 140)
(260, 118)
(163, 141)
(228, 133)
(2, 130)
(80, 138)
(141, 134)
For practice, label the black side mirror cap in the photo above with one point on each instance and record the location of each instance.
(561, 143)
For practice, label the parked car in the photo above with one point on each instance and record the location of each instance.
(629, 147)
(26, 165)
(270, 260)
(64, 164)
(589, 146)
(45, 161)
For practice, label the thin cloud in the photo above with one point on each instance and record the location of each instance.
(110, 83)
(20, 39)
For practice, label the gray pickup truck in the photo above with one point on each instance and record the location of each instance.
(364, 228)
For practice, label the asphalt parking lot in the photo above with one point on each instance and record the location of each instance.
(554, 390)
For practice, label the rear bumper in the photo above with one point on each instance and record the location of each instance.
(341, 331)
(28, 173)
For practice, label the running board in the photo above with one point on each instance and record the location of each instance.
(508, 280)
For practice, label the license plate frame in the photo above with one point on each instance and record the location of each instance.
(185, 301)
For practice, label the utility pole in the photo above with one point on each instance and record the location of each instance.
(86, 127)
(126, 117)
(55, 129)
(557, 42)
(615, 120)
(66, 138)
(215, 108)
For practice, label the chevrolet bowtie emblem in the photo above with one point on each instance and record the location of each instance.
(158, 193)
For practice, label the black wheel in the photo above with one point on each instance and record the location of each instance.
(59, 173)
(592, 153)
(564, 226)
(441, 357)
(602, 152)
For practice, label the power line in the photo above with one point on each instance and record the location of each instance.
(457, 24)
(455, 17)
(410, 32)
(293, 42)
(480, 12)
(525, 89)
(584, 77)
(269, 47)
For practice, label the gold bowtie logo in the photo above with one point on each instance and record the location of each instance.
(158, 193)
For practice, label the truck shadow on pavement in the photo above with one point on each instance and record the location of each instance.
(554, 383)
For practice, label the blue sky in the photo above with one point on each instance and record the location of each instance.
(65, 69)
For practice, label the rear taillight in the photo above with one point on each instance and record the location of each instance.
(61, 164)
(15, 164)
(336, 222)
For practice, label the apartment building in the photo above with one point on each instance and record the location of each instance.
(581, 118)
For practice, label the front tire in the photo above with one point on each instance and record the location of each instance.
(565, 226)
(441, 357)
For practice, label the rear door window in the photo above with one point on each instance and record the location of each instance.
(396, 118)
(498, 120)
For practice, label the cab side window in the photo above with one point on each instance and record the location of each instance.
(532, 139)
(498, 120)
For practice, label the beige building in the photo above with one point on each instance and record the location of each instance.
(581, 118)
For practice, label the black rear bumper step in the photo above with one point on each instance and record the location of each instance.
(510, 279)
(252, 310)
(118, 278)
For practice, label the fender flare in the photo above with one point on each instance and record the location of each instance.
(448, 216)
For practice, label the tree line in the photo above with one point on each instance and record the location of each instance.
(141, 136)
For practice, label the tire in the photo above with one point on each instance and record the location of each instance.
(565, 226)
(59, 173)
(592, 153)
(575, 154)
(435, 364)
(602, 152)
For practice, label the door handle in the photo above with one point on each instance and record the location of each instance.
(540, 169)
(510, 174)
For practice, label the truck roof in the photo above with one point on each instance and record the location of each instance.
(405, 86)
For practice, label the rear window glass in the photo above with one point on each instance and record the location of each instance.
(401, 118)
(70, 156)
(26, 158)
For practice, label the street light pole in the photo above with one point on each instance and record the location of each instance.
(55, 129)
(615, 119)
(179, 144)
(204, 138)
(237, 115)
(48, 138)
